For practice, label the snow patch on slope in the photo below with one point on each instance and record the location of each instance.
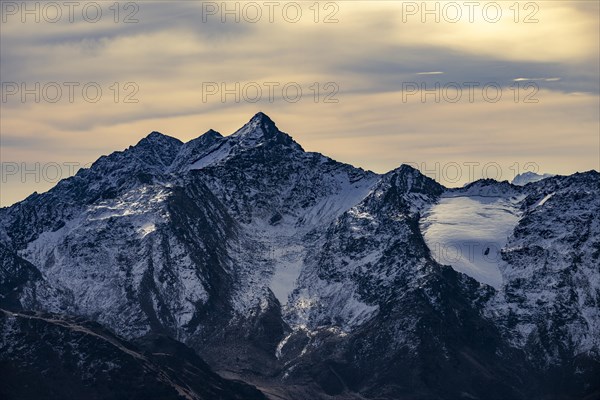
(468, 233)
(544, 200)
(347, 194)
(102, 258)
(213, 157)
(288, 264)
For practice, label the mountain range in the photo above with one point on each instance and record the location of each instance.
(244, 267)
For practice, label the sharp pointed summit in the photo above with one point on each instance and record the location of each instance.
(261, 116)
(259, 126)
(261, 129)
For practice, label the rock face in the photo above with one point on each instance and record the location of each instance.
(306, 277)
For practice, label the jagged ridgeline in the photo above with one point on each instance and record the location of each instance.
(243, 267)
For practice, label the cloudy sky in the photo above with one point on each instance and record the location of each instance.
(461, 91)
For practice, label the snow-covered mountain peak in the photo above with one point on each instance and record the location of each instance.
(258, 133)
(196, 149)
(151, 155)
(262, 117)
(260, 125)
(156, 145)
(528, 177)
(259, 130)
(156, 138)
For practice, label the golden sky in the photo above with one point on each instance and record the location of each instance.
(538, 62)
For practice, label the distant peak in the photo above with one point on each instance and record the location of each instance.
(529, 177)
